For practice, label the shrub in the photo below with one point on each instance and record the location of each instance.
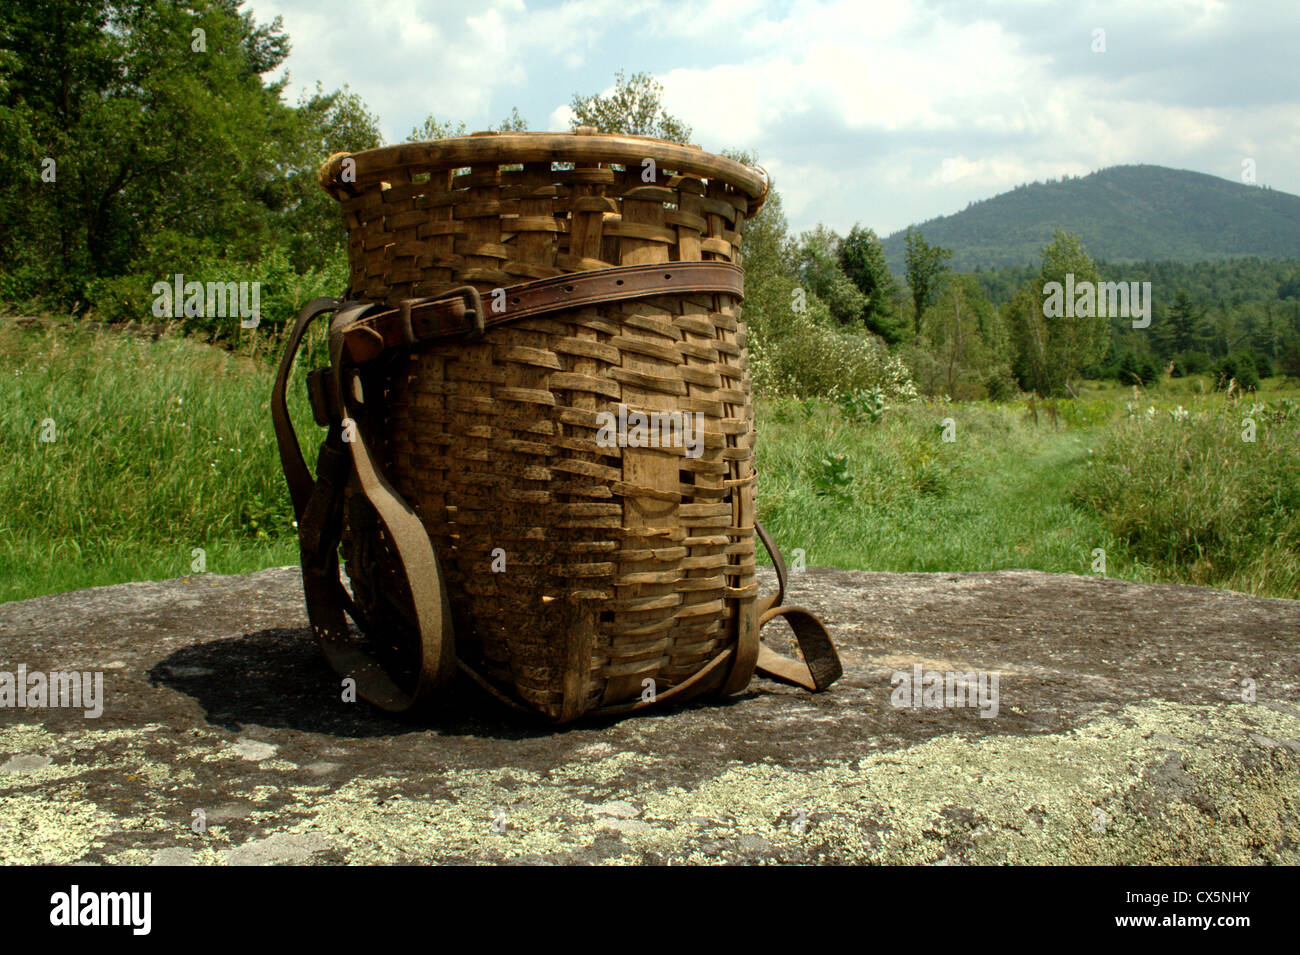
(833, 478)
(1150, 370)
(800, 353)
(282, 293)
(1001, 385)
(863, 405)
(1238, 367)
(21, 287)
(1188, 363)
(1135, 369)
(1290, 362)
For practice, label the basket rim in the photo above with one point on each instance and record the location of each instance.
(375, 165)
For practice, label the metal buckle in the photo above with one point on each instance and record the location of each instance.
(473, 311)
(473, 308)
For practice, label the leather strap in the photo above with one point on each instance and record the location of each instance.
(460, 311)
(778, 563)
(416, 557)
(820, 666)
(296, 474)
(318, 505)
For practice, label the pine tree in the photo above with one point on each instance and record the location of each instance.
(862, 257)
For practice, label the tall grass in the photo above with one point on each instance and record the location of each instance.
(1208, 494)
(159, 448)
(162, 447)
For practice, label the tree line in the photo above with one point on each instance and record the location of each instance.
(145, 140)
(992, 333)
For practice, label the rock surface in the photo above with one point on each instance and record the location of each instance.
(1134, 724)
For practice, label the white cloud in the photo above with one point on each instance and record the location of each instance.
(903, 76)
(560, 117)
(887, 113)
(409, 59)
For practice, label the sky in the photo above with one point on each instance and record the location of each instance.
(880, 113)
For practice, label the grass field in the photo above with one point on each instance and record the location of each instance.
(1162, 483)
(164, 449)
(160, 448)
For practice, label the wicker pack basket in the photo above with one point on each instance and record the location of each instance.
(541, 433)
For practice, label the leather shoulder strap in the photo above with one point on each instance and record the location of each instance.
(296, 474)
(820, 666)
(318, 505)
(406, 532)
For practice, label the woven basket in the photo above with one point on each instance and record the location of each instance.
(582, 567)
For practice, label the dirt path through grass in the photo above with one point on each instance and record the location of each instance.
(1011, 510)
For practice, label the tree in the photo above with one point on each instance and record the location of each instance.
(1023, 317)
(514, 123)
(768, 249)
(962, 311)
(926, 265)
(1178, 332)
(166, 142)
(1136, 369)
(1238, 367)
(964, 335)
(1290, 364)
(1290, 287)
(323, 124)
(432, 128)
(771, 274)
(1071, 342)
(862, 257)
(634, 108)
(819, 271)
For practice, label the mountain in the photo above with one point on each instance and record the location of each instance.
(1122, 214)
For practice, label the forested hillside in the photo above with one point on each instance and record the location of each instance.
(1122, 214)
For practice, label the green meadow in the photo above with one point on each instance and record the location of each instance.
(128, 459)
